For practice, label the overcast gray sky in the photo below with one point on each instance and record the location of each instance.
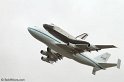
(20, 54)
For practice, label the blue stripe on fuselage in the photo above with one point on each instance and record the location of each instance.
(47, 35)
(93, 62)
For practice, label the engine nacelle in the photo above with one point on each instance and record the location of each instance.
(92, 47)
(88, 45)
(50, 56)
(44, 52)
(46, 60)
(71, 45)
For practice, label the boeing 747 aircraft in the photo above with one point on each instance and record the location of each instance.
(61, 44)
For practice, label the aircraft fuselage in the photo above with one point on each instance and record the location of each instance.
(51, 42)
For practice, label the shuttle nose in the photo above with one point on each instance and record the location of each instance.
(44, 25)
(48, 27)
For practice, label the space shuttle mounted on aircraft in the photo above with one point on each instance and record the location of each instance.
(61, 44)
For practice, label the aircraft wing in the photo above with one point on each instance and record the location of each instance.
(66, 47)
(94, 47)
(79, 48)
(105, 46)
(72, 49)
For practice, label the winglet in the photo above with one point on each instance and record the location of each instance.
(118, 63)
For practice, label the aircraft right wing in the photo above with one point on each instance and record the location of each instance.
(84, 47)
(67, 48)
(105, 46)
(79, 48)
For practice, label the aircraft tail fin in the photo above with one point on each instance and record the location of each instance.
(102, 58)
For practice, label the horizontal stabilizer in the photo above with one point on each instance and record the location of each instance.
(104, 65)
(95, 69)
(107, 65)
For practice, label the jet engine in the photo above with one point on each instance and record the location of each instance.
(92, 47)
(44, 52)
(45, 59)
(51, 56)
(71, 45)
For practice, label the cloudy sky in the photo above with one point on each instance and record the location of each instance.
(20, 54)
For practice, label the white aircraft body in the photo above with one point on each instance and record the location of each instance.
(61, 44)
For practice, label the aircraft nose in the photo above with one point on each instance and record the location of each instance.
(31, 29)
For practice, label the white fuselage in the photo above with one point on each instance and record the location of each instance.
(51, 41)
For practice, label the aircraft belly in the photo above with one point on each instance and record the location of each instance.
(83, 60)
(60, 50)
